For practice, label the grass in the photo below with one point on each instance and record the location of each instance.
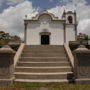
(47, 86)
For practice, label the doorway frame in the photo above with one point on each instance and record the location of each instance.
(45, 33)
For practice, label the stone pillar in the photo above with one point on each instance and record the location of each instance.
(6, 65)
(25, 32)
(64, 27)
(82, 65)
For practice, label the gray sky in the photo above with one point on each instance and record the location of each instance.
(12, 13)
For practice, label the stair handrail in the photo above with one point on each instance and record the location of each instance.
(69, 53)
(18, 53)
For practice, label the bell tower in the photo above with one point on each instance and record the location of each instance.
(70, 25)
(71, 17)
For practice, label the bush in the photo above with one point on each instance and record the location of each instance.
(2, 42)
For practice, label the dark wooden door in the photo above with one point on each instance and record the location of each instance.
(45, 40)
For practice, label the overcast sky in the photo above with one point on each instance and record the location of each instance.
(12, 13)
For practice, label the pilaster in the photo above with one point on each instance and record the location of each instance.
(25, 32)
(64, 28)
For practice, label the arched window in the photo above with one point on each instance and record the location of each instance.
(70, 19)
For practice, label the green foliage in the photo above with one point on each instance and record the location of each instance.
(5, 38)
(2, 42)
(86, 37)
(2, 32)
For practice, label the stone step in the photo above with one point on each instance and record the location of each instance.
(44, 46)
(43, 64)
(43, 51)
(43, 54)
(42, 81)
(29, 64)
(43, 59)
(32, 76)
(43, 69)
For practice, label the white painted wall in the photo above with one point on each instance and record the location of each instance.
(70, 33)
(45, 22)
(34, 29)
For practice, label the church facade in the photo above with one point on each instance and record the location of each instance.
(47, 29)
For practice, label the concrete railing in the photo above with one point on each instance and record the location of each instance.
(18, 53)
(82, 65)
(6, 65)
(69, 53)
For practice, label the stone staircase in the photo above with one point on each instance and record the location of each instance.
(43, 64)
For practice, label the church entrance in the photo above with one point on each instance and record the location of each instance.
(45, 40)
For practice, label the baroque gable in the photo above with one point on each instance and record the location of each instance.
(44, 17)
(52, 16)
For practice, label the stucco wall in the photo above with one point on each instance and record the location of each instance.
(34, 29)
(70, 33)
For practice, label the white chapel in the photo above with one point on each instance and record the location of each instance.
(47, 29)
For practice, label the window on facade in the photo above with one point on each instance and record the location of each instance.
(70, 19)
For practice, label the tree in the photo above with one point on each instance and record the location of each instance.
(82, 38)
(5, 38)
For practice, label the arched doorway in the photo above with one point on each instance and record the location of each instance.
(45, 38)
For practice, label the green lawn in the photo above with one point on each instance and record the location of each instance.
(47, 86)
